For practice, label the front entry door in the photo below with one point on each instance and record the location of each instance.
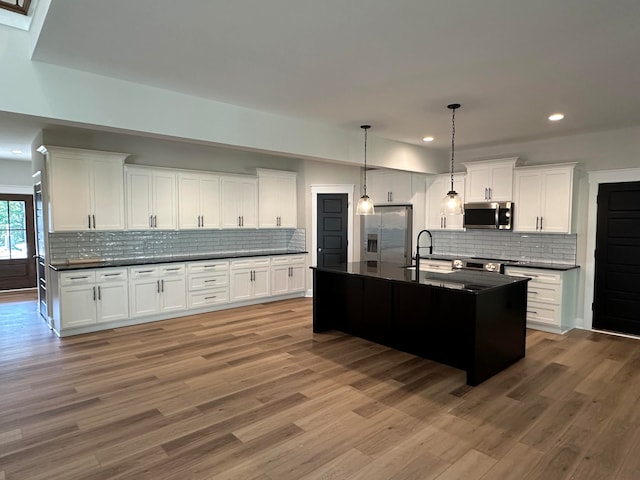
(617, 268)
(17, 242)
(332, 229)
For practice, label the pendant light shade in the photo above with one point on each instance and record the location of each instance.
(365, 204)
(452, 201)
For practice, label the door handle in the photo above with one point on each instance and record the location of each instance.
(158, 286)
(490, 193)
(540, 223)
(242, 220)
(150, 221)
(94, 294)
(99, 293)
(319, 249)
(94, 221)
(162, 285)
(89, 221)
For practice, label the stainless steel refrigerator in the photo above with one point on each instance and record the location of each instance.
(386, 236)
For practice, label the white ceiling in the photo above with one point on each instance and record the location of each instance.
(393, 64)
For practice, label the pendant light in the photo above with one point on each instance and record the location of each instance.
(365, 204)
(452, 202)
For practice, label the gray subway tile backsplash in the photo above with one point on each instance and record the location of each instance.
(152, 244)
(532, 247)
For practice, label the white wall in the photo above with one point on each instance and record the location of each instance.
(14, 173)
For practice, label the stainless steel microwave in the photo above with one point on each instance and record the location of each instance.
(489, 215)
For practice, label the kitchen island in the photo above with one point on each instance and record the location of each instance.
(474, 321)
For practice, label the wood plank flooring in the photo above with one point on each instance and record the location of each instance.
(252, 393)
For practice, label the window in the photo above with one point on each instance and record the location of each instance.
(18, 6)
(13, 229)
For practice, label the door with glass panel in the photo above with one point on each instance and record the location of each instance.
(17, 242)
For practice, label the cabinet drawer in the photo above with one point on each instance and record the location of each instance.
(202, 281)
(251, 263)
(142, 272)
(287, 260)
(77, 278)
(537, 275)
(207, 267)
(174, 269)
(111, 275)
(544, 292)
(543, 313)
(214, 296)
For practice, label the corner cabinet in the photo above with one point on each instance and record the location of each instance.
(239, 201)
(543, 198)
(86, 189)
(151, 198)
(437, 187)
(490, 180)
(198, 200)
(389, 186)
(277, 202)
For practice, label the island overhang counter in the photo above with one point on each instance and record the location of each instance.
(474, 321)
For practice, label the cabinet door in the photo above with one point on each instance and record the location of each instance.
(139, 199)
(78, 306)
(241, 285)
(288, 202)
(280, 279)
(144, 297)
(527, 201)
(501, 186)
(113, 302)
(435, 193)
(296, 280)
(400, 187)
(188, 201)
(261, 283)
(269, 202)
(173, 293)
(478, 181)
(164, 200)
(378, 187)
(210, 201)
(248, 203)
(555, 211)
(70, 195)
(107, 182)
(229, 199)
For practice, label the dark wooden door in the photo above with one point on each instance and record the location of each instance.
(332, 229)
(17, 242)
(616, 304)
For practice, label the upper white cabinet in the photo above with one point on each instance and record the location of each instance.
(277, 204)
(86, 189)
(389, 186)
(544, 198)
(151, 198)
(239, 200)
(198, 200)
(490, 180)
(437, 187)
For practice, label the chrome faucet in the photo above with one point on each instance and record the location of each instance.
(418, 249)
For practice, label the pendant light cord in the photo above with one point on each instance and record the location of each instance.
(453, 136)
(365, 128)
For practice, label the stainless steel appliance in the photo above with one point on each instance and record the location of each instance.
(386, 235)
(40, 249)
(482, 264)
(489, 215)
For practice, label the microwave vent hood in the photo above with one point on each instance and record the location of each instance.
(489, 215)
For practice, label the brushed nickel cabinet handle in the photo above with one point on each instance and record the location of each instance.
(209, 298)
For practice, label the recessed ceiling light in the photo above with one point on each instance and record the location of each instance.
(556, 116)
(16, 152)
(427, 139)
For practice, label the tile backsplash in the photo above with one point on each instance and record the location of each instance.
(533, 247)
(153, 244)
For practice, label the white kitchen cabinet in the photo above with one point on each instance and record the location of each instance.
(287, 274)
(389, 186)
(151, 198)
(277, 202)
(157, 289)
(91, 296)
(551, 297)
(249, 278)
(239, 201)
(437, 187)
(543, 197)
(198, 200)
(86, 189)
(207, 283)
(490, 180)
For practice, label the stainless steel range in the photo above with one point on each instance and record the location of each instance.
(482, 264)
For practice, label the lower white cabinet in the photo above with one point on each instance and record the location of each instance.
(207, 283)
(157, 289)
(88, 297)
(287, 274)
(249, 278)
(551, 297)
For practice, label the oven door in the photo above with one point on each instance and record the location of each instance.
(481, 215)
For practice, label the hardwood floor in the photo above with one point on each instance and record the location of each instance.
(252, 393)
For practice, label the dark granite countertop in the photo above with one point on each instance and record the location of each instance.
(127, 262)
(508, 263)
(465, 280)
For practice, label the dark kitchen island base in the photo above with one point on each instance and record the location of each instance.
(468, 320)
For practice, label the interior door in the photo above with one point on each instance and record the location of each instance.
(17, 242)
(332, 229)
(617, 267)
